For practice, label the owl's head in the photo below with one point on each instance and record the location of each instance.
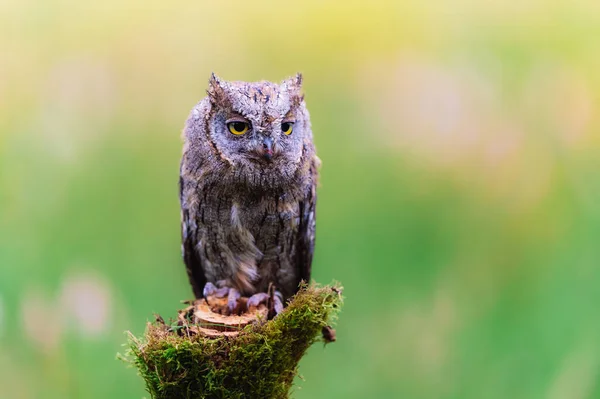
(256, 125)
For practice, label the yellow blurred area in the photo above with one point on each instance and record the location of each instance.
(459, 205)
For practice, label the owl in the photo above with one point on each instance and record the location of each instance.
(247, 185)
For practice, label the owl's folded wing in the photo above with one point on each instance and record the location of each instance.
(305, 244)
(193, 264)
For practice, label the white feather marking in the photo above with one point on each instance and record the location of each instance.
(235, 217)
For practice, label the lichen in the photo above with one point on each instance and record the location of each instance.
(260, 362)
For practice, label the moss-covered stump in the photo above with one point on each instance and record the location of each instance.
(258, 360)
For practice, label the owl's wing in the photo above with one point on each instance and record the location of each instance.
(193, 264)
(306, 233)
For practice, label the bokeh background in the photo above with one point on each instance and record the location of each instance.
(459, 201)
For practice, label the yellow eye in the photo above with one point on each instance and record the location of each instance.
(238, 128)
(287, 127)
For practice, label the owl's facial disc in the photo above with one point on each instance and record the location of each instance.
(260, 127)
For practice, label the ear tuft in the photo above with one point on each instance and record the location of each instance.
(214, 79)
(216, 91)
(298, 82)
(294, 83)
(294, 86)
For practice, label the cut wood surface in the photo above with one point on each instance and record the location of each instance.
(208, 316)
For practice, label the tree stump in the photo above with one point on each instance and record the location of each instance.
(203, 354)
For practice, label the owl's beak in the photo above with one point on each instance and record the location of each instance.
(268, 148)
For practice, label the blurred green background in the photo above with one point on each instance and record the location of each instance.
(459, 201)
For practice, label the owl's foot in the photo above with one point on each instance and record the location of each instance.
(263, 297)
(233, 306)
(211, 290)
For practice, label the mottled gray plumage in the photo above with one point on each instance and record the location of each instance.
(248, 201)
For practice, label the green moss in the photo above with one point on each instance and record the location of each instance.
(260, 362)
